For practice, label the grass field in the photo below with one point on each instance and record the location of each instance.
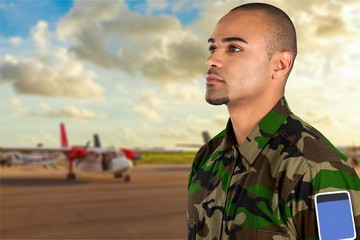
(167, 158)
(160, 158)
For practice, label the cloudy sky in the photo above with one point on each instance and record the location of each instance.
(133, 71)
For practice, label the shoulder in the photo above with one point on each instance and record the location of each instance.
(309, 142)
(311, 158)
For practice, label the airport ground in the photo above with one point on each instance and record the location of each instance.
(40, 203)
(37, 203)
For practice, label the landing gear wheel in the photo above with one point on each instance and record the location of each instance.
(117, 175)
(127, 178)
(71, 176)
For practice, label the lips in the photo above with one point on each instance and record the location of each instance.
(211, 78)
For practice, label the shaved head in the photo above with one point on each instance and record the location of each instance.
(280, 35)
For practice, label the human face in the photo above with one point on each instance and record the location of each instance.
(238, 65)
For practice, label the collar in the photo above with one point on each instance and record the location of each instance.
(260, 135)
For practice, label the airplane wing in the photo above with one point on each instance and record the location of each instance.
(41, 154)
(206, 138)
(34, 149)
(139, 150)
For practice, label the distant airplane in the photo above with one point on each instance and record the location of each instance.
(37, 158)
(129, 153)
(84, 158)
(30, 156)
(206, 138)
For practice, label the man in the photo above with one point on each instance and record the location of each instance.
(257, 178)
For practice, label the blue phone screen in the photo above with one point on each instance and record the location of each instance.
(335, 219)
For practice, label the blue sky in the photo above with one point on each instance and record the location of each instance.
(186, 15)
(134, 71)
(17, 17)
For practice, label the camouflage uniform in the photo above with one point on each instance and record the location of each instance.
(264, 189)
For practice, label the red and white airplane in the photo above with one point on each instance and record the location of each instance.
(84, 158)
(128, 152)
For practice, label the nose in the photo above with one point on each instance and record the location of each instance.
(214, 60)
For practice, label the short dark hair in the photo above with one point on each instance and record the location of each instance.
(281, 34)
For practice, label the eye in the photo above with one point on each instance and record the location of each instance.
(211, 49)
(234, 49)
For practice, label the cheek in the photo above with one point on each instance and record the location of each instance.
(250, 77)
(259, 72)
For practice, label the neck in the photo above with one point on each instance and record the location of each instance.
(245, 116)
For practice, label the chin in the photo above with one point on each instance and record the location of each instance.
(217, 101)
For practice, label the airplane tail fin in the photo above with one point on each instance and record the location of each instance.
(97, 141)
(15, 156)
(206, 136)
(63, 136)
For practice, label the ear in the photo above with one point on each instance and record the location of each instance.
(282, 62)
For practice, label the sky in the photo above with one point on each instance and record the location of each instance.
(134, 71)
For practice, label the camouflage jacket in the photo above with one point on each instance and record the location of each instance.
(264, 188)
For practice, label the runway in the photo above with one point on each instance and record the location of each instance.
(41, 204)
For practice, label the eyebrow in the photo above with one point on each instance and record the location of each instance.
(229, 39)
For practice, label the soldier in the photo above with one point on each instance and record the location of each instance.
(257, 178)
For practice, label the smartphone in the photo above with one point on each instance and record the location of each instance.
(334, 215)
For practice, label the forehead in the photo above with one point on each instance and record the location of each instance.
(249, 25)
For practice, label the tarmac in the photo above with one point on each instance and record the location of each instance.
(39, 203)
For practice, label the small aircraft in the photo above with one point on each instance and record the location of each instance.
(206, 138)
(84, 158)
(128, 152)
(31, 156)
(37, 158)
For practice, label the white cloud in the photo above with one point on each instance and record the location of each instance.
(172, 133)
(127, 137)
(155, 46)
(156, 5)
(78, 18)
(182, 91)
(68, 78)
(220, 119)
(50, 71)
(35, 138)
(120, 87)
(191, 120)
(148, 105)
(40, 34)
(150, 98)
(44, 107)
(318, 119)
(25, 111)
(73, 112)
(14, 101)
(15, 41)
(147, 113)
